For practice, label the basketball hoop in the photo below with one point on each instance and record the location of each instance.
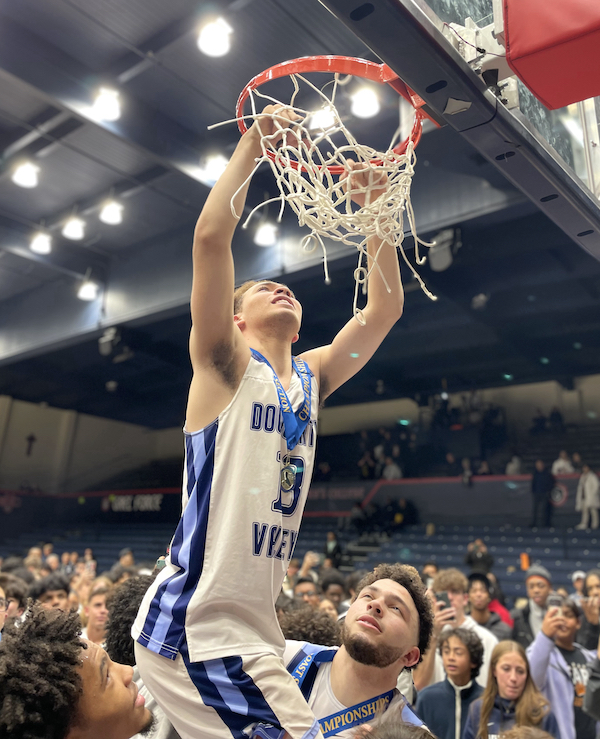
(312, 170)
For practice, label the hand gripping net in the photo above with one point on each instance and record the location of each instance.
(311, 171)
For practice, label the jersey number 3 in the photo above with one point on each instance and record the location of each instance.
(287, 500)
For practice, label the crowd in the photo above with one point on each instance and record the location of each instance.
(466, 666)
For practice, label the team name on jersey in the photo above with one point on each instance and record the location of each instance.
(272, 540)
(268, 418)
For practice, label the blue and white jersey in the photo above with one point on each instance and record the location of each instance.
(237, 532)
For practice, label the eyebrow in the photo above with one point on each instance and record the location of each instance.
(275, 284)
(393, 597)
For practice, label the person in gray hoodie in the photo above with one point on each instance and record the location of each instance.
(559, 667)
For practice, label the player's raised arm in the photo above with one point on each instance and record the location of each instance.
(355, 344)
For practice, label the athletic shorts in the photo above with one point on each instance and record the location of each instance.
(224, 698)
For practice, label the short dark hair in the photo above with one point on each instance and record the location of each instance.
(311, 625)
(123, 604)
(40, 683)
(410, 579)
(300, 580)
(333, 577)
(55, 581)
(471, 641)
(482, 578)
(14, 587)
(354, 578)
(574, 607)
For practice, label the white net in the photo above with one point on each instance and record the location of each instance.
(301, 157)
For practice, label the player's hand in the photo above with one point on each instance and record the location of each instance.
(552, 622)
(591, 609)
(286, 117)
(361, 176)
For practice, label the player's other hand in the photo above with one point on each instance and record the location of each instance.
(267, 125)
(361, 176)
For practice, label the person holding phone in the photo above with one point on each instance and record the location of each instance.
(559, 667)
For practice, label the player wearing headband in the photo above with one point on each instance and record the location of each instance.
(208, 642)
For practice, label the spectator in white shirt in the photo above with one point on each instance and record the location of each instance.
(562, 465)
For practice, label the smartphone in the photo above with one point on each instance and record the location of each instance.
(554, 600)
(444, 597)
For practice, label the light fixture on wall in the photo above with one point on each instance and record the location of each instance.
(26, 175)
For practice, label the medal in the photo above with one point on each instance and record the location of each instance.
(288, 477)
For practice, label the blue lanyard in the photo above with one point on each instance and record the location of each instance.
(357, 714)
(293, 423)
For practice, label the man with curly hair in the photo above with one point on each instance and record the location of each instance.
(386, 628)
(54, 685)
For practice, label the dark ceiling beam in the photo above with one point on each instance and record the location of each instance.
(68, 83)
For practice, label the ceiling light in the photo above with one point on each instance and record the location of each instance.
(212, 168)
(41, 243)
(324, 118)
(111, 213)
(106, 105)
(266, 234)
(478, 302)
(544, 360)
(88, 290)
(74, 229)
(365, 103)
(577, 345)
(508, 377)
(214, 38)
(26, 175)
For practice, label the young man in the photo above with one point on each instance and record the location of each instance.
(51, 591)
(528, 620)
(207, 630)
(444, 707)
(97, 616)
(453, 584)
(53, 684)
(559, 668)
(385, 630)
(15, 592)
(479, 601)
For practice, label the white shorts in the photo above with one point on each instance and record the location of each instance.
(224, 698)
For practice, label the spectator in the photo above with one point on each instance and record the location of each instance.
(514, 466)
(333, 586)
(444, 706)
(484, 468)
(511, 698)
(453, 468)
(498, 602)
(578, 580)
(351, 584)
(528, 620)
(467, 472)
(307, 624)
(477, 557)
(576, 462)
(291, 577)
(555, 420)
(326, 606)
(542, 483)
(407, 513)
(65, 564)
(51, 592)
(453, 585)
(428, 573)
(357, 518)
(96, 614)
(591, 700)
(308, 591)
(47, 549)
(538, 423)
(333, 550)
(588, 498)
(562, 464)
(559, 669)
(15, 592)
(479, 601)
(589, 631)
(53, 562)
(391, 471)
(3, 609)
(323, 472)
(126, 558)
(366, 466)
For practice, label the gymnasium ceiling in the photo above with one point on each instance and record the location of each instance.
(540, 317)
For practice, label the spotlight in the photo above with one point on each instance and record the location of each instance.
(478, 302)
(214, 38)
(266, 234)
(88, 290)
(74, 229)
(111, 213)
(26, 175)
(365, 103)
(212, 168)
(324, 118)
(41, 243)
(107, 106)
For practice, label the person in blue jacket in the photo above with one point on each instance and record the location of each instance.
(510, 698)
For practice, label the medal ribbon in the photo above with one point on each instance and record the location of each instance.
(357, 714)
(293, 423)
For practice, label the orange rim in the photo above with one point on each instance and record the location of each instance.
(372, 71)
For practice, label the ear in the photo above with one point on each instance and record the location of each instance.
(411, 658)
(239, 322)
(295, 339)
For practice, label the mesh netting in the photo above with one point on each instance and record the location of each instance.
(302, 156)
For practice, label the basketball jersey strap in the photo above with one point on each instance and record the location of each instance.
(305, 665)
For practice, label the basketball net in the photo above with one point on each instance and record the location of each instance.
(301, 160)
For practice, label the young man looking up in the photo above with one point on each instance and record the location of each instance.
(384, 631)
(54, 684)
(528, 620)
(559, 668)
(479, 601)
(444, 707)
(454, 584)
(207, 627)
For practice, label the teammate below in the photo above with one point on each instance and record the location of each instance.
(209, 645)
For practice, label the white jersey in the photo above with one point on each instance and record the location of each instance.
(230, 552)
(321, 699)
(488, 640)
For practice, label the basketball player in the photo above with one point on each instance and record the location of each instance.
(209, 645)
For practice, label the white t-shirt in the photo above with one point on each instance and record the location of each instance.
(488, 640)
(322, 700)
